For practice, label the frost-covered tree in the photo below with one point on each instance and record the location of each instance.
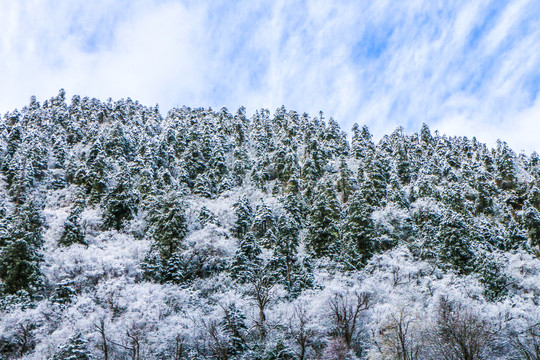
(226, 236)
(359, 237)
(73, 233)
(244, 217)
(20, 257)
(75, 348)
(167, 224)
(324, 215)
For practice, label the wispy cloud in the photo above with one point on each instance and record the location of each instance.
(466, 68)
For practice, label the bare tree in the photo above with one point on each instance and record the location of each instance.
(132, 345)
(527, 342)
(299, 330)
(345, 310)
(179, 347)
(262, 285)
(460, 334)
(217, 342)
(100, 328)
(397, 339)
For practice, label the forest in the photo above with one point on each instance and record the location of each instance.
(204, 234)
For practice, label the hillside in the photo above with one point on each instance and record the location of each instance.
(213, 235)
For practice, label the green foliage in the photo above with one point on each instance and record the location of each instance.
(456, 243)
(167, 223)
(19, 266)
(75, 348)
(323, 219)
(120, 204)
(234, 325)
(247, 260)
(72, 233)
(358, 232)
(244, 217)
(19, 256)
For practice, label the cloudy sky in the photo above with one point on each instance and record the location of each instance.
(463, 67)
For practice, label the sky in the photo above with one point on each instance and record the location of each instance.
(467, 68)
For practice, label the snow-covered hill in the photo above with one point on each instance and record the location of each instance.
(210, 235)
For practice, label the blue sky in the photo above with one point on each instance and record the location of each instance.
(463, 67)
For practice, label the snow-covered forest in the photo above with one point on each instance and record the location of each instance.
(218, 235)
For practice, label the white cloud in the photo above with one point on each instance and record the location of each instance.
(501, 31)
(466, 67)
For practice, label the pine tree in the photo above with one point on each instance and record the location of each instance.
(425, 135)
(505, 164)
(279, 351)
(244, 217)
(234, 325)
(285, 262)
(324, 215)
(19, 266)
(120, 204)
(376, 175)
(95, 178)
(362, 143)
(264, 225)
(456, 243)
(345, 184)
(167, 223)
(492, 275)
(203, 186)
(207, 217)
(241, 166)
(20, 258)
(403, 165)
(358, 232)
(293, 201)
(531, 218)
(247, 261)
(72, 233)
(76, 348)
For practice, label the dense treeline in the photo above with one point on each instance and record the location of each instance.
(270, 237)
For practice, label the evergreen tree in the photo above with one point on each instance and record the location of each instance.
(358, 232)
(285, 262)
(425, 135)
(72, 233)
(234, 325)
(207, 217)
(324, 215)
(203, 186)
(20, 258)
(403, 165)
(244, 217)
(293, 202)
(76, 348)
(120, 204)
(167, 223)
(241, 165)
(264, 225)
(492, 275)
(362, 143)
(19, 266)
(531, 218)
(456, 243)
(376, 175)
(505, 163)
(345, 183)
(95, 177)
(247, 261)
